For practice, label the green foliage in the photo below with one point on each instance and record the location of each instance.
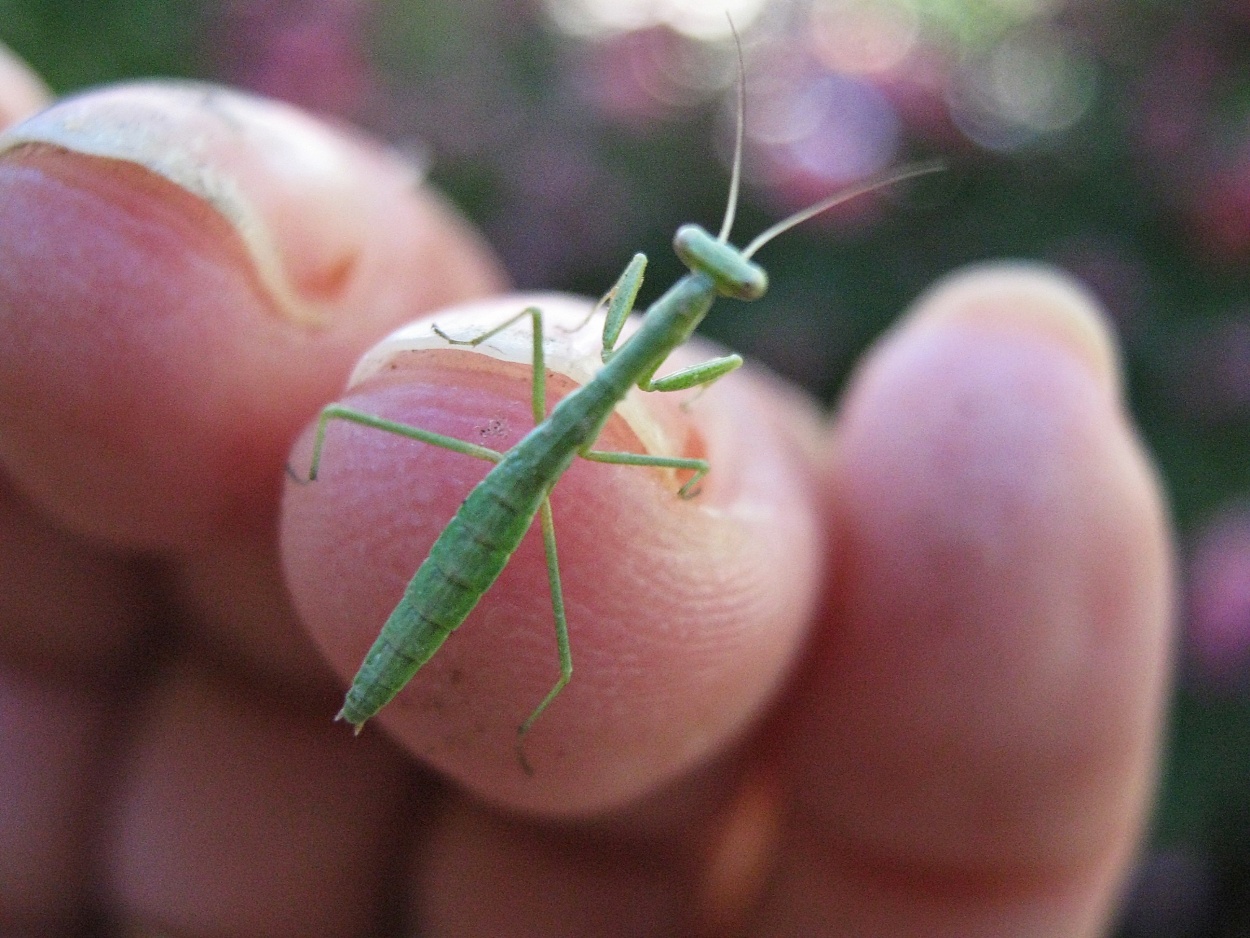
(77, 43)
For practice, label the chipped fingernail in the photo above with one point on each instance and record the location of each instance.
(289, 186)
(572, 347)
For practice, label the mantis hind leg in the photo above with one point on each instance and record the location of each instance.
(546, 521)
(562, 632)
(351, 415)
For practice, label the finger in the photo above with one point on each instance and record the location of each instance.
(973, 748)
(52, 735)
(190, 273)
(235, 816)
(684, 615)
(541, 881)
(169, 308)
(681, 861)
(21, 91)
(72, 622)
(67, 607)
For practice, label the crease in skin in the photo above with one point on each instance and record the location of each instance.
(741, 855)
(160, 127)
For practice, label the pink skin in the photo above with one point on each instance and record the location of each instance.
(907, 666)
(22, 93)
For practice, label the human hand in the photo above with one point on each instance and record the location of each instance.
(900, 673)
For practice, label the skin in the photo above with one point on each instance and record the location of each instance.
(924, 698)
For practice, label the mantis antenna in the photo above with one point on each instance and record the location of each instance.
(845, 195)
(802, 215)
(735, 180)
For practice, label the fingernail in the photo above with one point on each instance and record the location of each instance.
(571, 344)
(572, 347)
(290, 187)
(1025, 298)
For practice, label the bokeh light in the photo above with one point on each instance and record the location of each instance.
(1031, 84)
(1218, 627)
(832, 82)
(694, 18)
(863, 37)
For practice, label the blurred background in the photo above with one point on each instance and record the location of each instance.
(1110, 138)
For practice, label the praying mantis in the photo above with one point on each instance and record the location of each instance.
(479, 540)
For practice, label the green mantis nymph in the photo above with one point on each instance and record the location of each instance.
(476, 544)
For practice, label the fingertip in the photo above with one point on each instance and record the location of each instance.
(234, 815)
(683, 614)
(193, 272)
(1032, 299)
(313, 206)
(987, 693)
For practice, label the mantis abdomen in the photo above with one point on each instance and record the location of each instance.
(466, 559)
